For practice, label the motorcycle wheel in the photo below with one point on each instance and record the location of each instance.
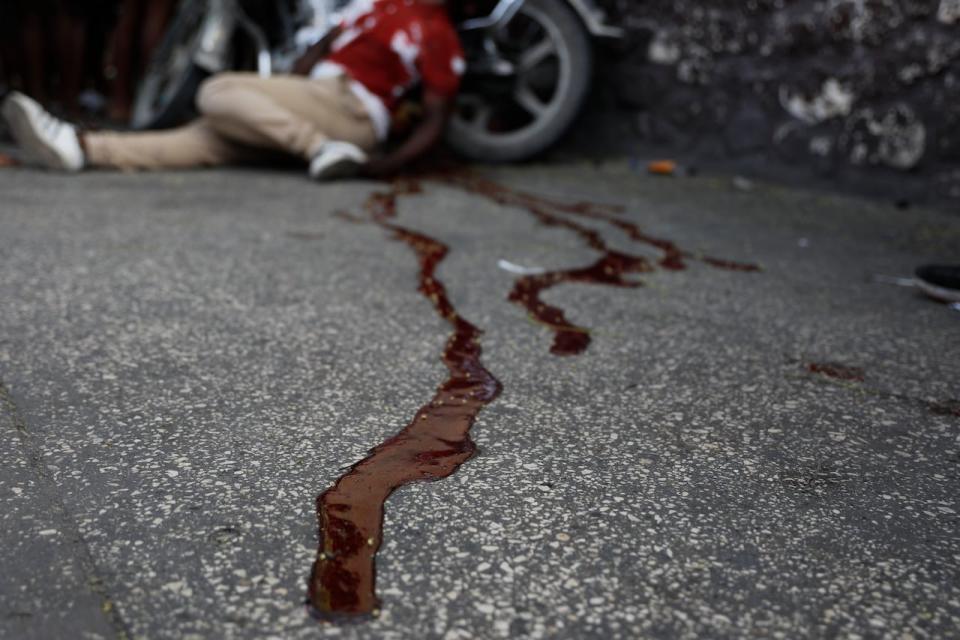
(165, 96)
(545, 63)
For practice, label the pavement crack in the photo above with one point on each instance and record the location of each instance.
(82, 553)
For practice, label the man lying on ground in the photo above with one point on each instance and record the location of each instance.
(333, 111)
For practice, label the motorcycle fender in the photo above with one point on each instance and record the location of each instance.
(213, 50)
(595, 19)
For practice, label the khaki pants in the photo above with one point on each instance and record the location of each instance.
(242, 114)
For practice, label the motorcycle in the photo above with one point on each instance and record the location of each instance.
(529, 63)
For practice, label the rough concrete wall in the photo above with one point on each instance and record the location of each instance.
(832, 84)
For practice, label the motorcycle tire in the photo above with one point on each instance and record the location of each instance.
(166, 94)
(575, 54)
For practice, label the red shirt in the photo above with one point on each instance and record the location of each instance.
(390, 45)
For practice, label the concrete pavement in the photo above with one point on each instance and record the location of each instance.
(188, 359)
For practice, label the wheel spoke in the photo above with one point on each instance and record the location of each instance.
(522, 35)
(481, 112)
(481, 117)
(529, 100)
(537, 54)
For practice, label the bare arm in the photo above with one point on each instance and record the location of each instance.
(315, 53)
(437, 111)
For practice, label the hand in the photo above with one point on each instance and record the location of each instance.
(427, 133)
(305, 63)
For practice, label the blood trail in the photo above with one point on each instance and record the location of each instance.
(610, 269)
(432, 446)
(437, 441)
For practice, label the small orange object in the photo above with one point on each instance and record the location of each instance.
(7, 161)
(662, 167)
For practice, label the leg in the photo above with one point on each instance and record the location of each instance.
(58, 145)
(285, 113)
(193, 145)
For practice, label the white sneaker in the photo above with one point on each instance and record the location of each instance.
(46, 139)
(337, 159)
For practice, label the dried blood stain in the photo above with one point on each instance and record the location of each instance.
(835, 370)
(948, 408)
